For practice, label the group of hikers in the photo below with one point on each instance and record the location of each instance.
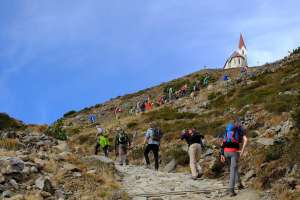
(231, 140)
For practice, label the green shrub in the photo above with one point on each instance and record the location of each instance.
(296, 114)
(131, 125)
(274, 152)
(57, 131)
(295, 51)
(70, 113)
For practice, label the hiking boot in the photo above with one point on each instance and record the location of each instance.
(200, 175)
(147, 166)
(241, 186)
(232, 194)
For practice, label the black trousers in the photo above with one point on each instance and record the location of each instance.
(154, 148)
(105, 149)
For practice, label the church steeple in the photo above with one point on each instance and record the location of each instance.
(241, 42)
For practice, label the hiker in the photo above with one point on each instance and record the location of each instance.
(206, 79)
(170, 93)
(152, 140)
(103, 143)
(117, 112)
(194, 141)
(148, 105)
(244, 74)
(230, 150)
(122, 144)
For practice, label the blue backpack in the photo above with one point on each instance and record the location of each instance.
(231, 135)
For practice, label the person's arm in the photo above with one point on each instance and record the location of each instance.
(147, 136)
(245, 141)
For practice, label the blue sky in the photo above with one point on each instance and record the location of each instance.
(61, 55)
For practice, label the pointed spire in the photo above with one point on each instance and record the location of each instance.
(241, 43)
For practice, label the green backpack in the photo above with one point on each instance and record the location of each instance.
(103, 141)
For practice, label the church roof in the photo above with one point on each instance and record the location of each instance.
(241, 42)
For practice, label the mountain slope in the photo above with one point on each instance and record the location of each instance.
(267, 104)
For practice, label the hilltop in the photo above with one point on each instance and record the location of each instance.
(56, 162)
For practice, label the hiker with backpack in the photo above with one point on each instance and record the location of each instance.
(230, 150)
(194, 141)
(152, 142)
(103, 143)
(122, 144)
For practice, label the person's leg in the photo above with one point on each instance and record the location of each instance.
(97, 148)
(233, 168)
(146, 154)
(125, 149)
(105, 149)
(192, 155)
(155, 150)
(198, 167)
(120, 154)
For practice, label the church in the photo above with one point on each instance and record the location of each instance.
(238, 58)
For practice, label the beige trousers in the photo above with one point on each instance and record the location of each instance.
(194, 154)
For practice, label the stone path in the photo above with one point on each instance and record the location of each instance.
(138, 181)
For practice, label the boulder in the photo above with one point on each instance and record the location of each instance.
(95, 158)
(171, 166)
(44, 184)
(9, 165)
(71, 167)
(250, 174)
(265, 141)
(6, 194)
(2, 178)
(62, 147)
(208, 152)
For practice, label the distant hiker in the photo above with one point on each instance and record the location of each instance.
(232, 138)
(102, 142)
(225, 77)
(196, 87)
(184, 89)
(206, 79)
(117, 112)
(92, 119)
(99, 130)
(194, 141)
(244, 75)
(152, 140)
(170, 93)
(148, 104)
(122, 144)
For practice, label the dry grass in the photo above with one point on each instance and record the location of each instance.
(9, 144)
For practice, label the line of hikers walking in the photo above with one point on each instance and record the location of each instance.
(231, 140)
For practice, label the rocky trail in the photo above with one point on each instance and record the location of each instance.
(141, 184)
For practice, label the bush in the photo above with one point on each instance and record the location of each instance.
(57, 131)
(295, 51)
(70, 113)
(274, 152)
(131, 125)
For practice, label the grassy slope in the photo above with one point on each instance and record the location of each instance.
(260, 97)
